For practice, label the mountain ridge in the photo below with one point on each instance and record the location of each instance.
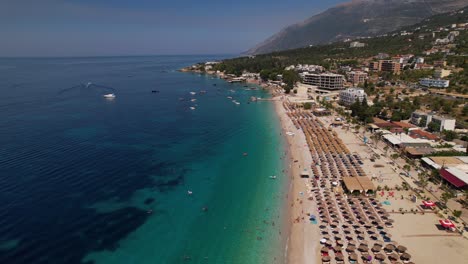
(353, 19)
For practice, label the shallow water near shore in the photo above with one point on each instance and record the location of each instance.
(91, 180)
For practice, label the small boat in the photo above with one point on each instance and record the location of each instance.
(89, 84)
(155, 91)
(245, 154)
(273, 177)
(234, 101)
(193, 93)
(193, 100)
(232, 91)
(203, 92)
(192, 108)
(109, 96)
(229, 97)
(189, 192)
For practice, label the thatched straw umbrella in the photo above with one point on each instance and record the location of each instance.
(337, 248)
(389, 248)
(393, 257)
(324, 250)
(326, 259)
(380, 257)
(339, 257)
(376, 248)
(363, 248)
(353, 257)
(340, 243)
(401, 249)
(350, 248)
(405, 257)
(351, 243)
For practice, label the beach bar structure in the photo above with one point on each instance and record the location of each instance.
(358, 184)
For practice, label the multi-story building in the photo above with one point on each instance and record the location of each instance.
(357, 77)
(386, 65)
(424, 119)
(420, 119)
(441, 73)
(327, 81)
(439, 83)
(351, 95)
(444, 123)
(374, 66)
(390, 66)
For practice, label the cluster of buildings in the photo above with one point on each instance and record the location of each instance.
(424, 119)
(305, 68)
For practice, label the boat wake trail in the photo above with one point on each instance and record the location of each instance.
(87, 87)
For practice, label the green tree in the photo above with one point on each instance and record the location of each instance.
(290, 77)
(307, 106)
(450, 135)
(433, 127)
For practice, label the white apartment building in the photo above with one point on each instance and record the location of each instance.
(351, 95)
(444, 123)
(439, 83)
(423, 120)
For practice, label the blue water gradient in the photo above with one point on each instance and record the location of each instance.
(84, 179)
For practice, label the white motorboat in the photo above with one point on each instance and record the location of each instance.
(192, 108)
(234, 101)
(193, 93)
(109, 96)
(273, 177)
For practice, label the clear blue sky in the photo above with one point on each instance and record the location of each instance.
(132, 27)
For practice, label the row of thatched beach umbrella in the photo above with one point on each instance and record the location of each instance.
(346, 224)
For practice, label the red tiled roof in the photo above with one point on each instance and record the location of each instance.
(422, 134)
(386, 124)
(403, 124)
(452, 178)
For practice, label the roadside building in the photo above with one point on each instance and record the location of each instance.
(351, 95)
(453, 170)
(438, 83)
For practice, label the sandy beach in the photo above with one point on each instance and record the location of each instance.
(299, 249)
(394, 236)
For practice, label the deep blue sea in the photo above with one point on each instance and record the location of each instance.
(85, 179)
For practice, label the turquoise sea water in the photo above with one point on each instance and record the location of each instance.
(90, 180)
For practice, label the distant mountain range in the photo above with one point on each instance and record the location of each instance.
(357, 18)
